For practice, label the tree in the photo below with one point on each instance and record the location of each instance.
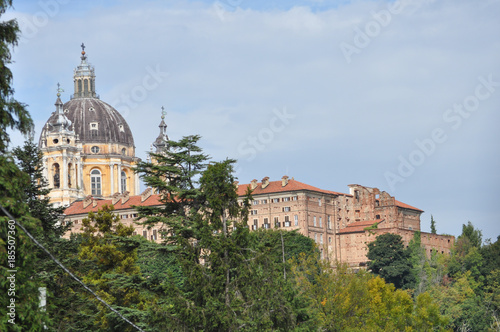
(389, 259)
(29, 160)
(13, 114)
(114, 272)
(417, 260)
(473, 237)
(229, 284)
(466, 253)
(20, 291)
(462, 305)
(433, 225)
(17, 256)
(340, 299)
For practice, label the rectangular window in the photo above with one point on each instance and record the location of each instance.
(286, 199)
(320, 221)
(294, 198)
(319, 201)
(266, 226)
(276, 200)
(276, 222)
(314, 221)
(287, 221)
(321, 238)
(286, 209)
(96, 185)
(255, 224)
(255, 202)
(253, 212)
(329, 222)
(296, 220)
(264, 201)
(145, 234)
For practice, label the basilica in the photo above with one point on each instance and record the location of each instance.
(87, 146)
(89, 159)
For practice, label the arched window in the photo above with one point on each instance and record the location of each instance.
(123, 182)
(95, 182)
(57, 176)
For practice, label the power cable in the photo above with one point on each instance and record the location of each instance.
(66, 270)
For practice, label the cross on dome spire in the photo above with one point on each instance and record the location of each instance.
(83, 52)
(59, 90)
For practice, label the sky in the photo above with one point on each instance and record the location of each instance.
(399, 95)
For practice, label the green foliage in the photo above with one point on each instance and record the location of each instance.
(107, 245)
(389, 259)
(433, 225)
(14, 243)
(13, 114)
(29, 160)
(461, 303)
(230, 280)
(341, 300)
(471, 236)
(490, 253)
(466, 254)
(469, 299)
(293, 244)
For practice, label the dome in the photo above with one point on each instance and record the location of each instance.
(94, 121)
(97, 122)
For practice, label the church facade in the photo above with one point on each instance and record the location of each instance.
(89, 159)
(87, 146)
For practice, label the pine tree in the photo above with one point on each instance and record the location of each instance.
(13, 114)
(17, 258)
(228, 284)
(29, 160)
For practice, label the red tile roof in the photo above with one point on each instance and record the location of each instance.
(359, 226)
(406, 206)
(276, 187)
(77, 206)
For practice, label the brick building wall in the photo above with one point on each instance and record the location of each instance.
(337, 222)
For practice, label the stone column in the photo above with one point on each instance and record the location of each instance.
(80, 172)
(112, 179)
(64, 167)
(137, 184)
(119, 177)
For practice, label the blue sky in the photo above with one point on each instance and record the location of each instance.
(399, 95)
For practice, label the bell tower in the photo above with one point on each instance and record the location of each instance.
(61, 151)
